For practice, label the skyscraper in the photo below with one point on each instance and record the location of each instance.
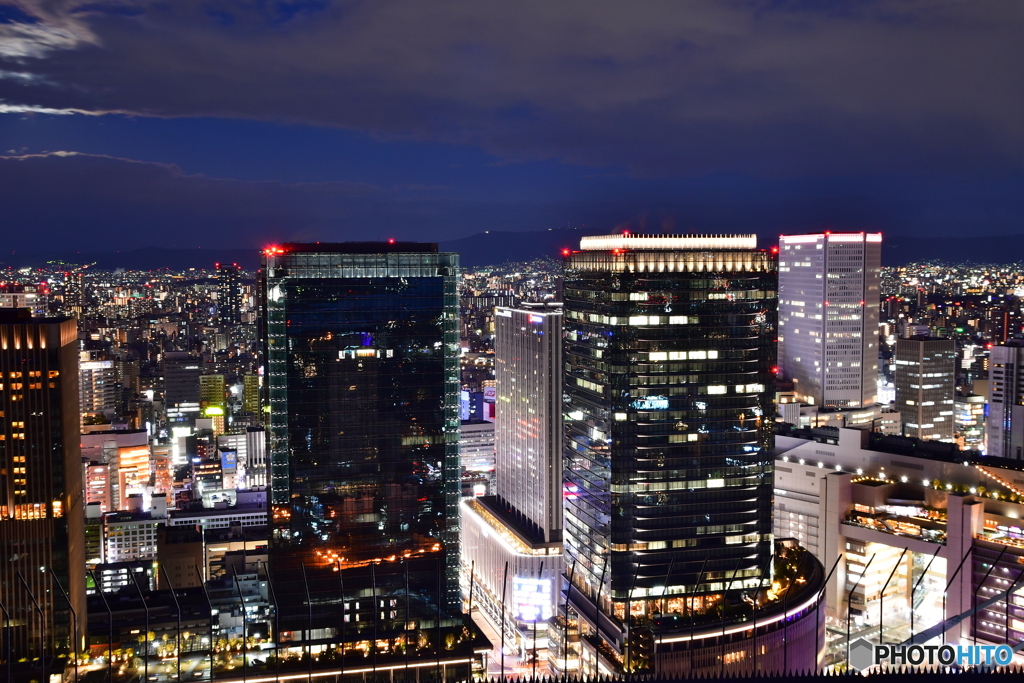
(42, 515)
(229, 294)
(528, 414)
(926, 386)
(525, 510)
(669, 356)
(1005, 425)
(362, 381)
(828, 317)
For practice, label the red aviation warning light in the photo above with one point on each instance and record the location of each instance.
(565, 252)
(775, 369)
(391, 240)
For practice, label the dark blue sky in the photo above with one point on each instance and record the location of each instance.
(128, 123)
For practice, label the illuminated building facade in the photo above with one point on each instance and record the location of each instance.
(520, 525)
(33, 297)
(362, 381)
(828, 317)
(925, 386)
(42, 513)
(1005, 426)
(670, 359)
(97, 388)
(528, 414)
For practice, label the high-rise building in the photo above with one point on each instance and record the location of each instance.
(528, 414)
(525, 508)
(212, 391)
(362, 378)
(1004, 429)
(181, 385)
(97, 387)
(42, 511)
(229, 294)
(926, 386)
(828, 317)
(669, 386)
(251, 395)
(36, 298)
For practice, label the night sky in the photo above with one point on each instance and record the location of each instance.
(129, 123)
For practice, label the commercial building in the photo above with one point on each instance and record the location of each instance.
(519, 526)
(476, 453)
(362, 378)
(920, 528)
(926, 386)
(1005, 425)
(181, 383)
(33, 297)
(828, 317)
(42, 511)
(669, 388)
(98, 388)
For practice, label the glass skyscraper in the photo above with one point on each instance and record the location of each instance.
(362, 378)
(669, 388)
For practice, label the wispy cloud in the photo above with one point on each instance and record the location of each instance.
(660, 88)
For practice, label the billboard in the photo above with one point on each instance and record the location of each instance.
(532, 598)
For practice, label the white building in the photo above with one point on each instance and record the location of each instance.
(527, 434)
(1005, 425)
(828, 317)
(97, 386)
(865, 498)
(520, 526)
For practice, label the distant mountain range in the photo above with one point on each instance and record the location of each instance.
(493, 247)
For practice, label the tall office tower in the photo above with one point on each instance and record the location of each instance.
(229, 294)
(828, 317)
(525, 509)
(1004, 430)
(42, 512)
(669, 387)
(97, 388)
(362, 376)
(528, 414)
(926, 386)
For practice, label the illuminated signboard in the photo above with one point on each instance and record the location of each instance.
(536, 318)
(532, 598)
(651, 403)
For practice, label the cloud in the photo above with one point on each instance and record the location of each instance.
(761, 87)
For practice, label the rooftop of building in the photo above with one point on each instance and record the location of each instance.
(386, 247)
(498, 510)
(903, 445)
(646, 241)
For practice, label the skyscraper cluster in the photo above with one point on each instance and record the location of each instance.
(617, 506)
